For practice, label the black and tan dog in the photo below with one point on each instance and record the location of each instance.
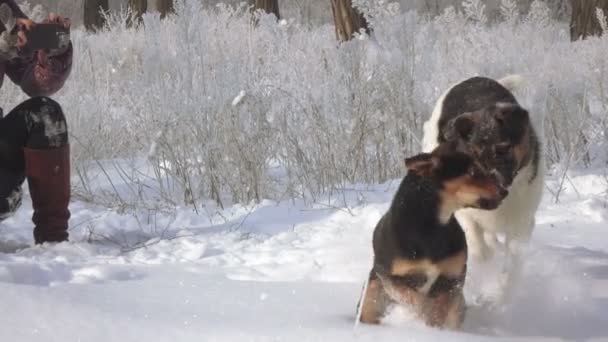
(420, 251)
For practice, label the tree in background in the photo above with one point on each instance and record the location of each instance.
(164, 7)
(348, 20)
(269, 6)
(138, 8)
(93, 18)
(584, 22)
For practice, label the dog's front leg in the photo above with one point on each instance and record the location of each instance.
(372, 305)
(478, 248)
(512, 268)
(456, 311)
(446, 310)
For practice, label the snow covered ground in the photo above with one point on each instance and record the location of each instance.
(293, 271)
(285, 271)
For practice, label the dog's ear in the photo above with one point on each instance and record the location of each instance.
(510, 114)
(423, 164)
(513, 119)
(460, 127)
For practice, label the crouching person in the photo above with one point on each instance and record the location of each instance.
(34, 137)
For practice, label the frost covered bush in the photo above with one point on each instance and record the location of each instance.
(204, 105)
(316, 12)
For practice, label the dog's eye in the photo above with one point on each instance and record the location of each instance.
(502, 149)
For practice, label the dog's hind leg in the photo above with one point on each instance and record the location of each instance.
(373, 302)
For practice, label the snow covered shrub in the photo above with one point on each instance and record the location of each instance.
(34, 12)
(204, 105)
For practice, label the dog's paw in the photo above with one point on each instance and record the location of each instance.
(481, 253)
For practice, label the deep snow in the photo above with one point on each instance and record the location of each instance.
(286, 271)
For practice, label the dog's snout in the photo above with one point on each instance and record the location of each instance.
(488, 204)
(503, 192)
(500, 178)
(495, 197)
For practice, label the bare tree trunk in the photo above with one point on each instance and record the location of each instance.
(562, 9)
(269, 6)
(164, 7)
(93, 19)
(348, 20)
(584, 21)
(138, 8)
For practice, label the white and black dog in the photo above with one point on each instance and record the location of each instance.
(485, 118)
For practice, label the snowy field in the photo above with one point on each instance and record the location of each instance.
(287, 271)
(213, 171)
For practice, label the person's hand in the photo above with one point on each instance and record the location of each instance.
(54, 18)
(59, 20)
(22, 26)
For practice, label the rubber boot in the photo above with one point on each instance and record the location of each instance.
(48, 177)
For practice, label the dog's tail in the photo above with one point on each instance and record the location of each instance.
(512, 82)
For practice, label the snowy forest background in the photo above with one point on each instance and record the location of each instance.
(316, 12)
(314, 116)
(207, 108)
